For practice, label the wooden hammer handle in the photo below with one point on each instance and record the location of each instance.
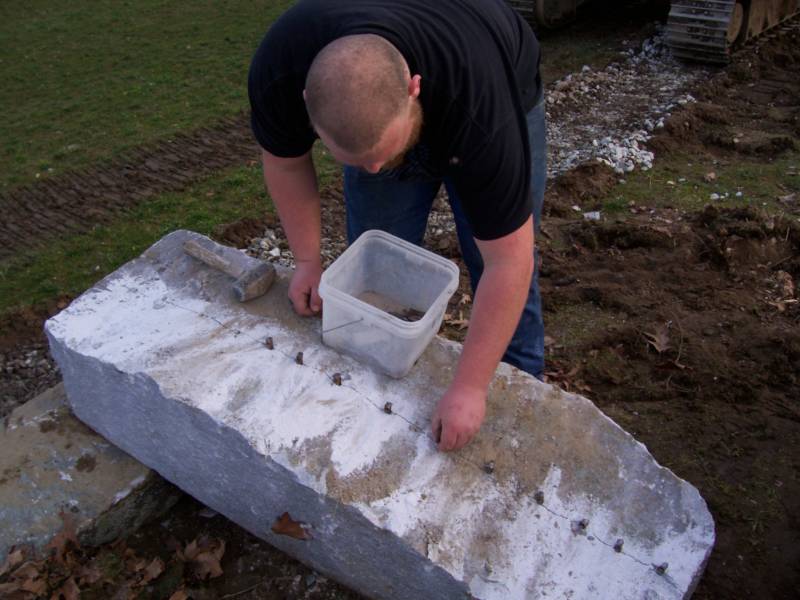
(213, 255)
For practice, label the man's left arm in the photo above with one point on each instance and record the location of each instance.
(499, 301)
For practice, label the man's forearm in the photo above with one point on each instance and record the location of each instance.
(499, 301)
(292, 184)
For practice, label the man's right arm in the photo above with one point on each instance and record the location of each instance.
(292, 184)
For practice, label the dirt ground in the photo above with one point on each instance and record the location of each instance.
(680, 325)
(683, 326)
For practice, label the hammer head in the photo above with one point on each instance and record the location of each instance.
(254, 282)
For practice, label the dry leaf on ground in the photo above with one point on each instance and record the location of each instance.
(64, 538)
(206, 566)
(152, 571)
(27, 571)
(13, 560)
(89, 574)
(285, 525)
(68, 591)
(35, 585)
(205, 554)
(134, 563)
(660, 339)
(6, 589)
(786, 284)
(179, 595)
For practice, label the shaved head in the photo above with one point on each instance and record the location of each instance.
(355, 87)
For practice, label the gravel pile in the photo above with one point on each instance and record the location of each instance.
(608, 115)
(25, 372)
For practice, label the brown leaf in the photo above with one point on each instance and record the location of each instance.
(29, 570)
(660, 339)
(192, 549)
(89, 574)
(285, 525)
(6, 589)
(205, 553)
(68, 591)
(62, 540)
(179, 595)
(153, 570)
(786, 284)
(710, 177)
(135, 564)
(13, 560)
(206, 566)
(36, 586)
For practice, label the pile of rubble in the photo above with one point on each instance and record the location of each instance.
(25, 372)
(608, 115)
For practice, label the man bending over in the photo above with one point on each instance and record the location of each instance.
(409, 95)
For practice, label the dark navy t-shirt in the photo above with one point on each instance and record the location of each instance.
(479, 63)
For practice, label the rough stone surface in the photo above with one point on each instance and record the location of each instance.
(160, 358)
(51, 462)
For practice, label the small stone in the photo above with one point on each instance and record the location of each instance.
(618, 545)
(714, 197)
(387, 408)
(662, 568)
(539, 497)
(337, 379)
(299, 358)
(488, 468)
(269, 344)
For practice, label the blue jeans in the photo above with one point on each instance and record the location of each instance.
(398, 201)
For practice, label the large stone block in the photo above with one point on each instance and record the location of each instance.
(51, 463)
(162, 360)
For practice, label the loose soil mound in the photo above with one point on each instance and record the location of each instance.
(684, 327)
(585, 182)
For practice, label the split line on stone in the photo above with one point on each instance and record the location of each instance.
(660, 569)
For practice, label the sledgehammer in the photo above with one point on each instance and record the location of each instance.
(253, 277)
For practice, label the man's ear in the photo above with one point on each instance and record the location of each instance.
(414, 86)
(304, 95)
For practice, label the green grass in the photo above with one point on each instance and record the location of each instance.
(678, 180)
(83, 80)
(70, 265)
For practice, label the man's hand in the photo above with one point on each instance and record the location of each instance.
(458, 416)
(304, 288)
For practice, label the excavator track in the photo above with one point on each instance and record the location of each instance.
(708, 30)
